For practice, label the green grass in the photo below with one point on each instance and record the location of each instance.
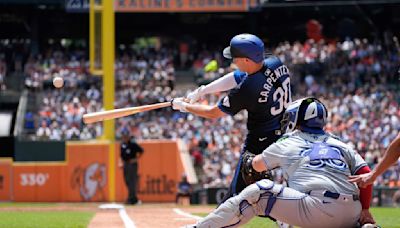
(385, 217)
(44, 204)
(45, 219)
(13, 204)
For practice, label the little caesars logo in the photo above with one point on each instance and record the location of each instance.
(90, 181)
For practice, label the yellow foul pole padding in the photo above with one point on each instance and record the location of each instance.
(108, 56)
(106, 10)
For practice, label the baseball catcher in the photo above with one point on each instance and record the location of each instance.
(316, 166)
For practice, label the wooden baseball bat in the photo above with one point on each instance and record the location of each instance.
(121, 112)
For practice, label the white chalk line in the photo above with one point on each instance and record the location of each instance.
(180, 212)
(128, 222)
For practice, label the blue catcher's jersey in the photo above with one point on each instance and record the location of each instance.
(265, 95)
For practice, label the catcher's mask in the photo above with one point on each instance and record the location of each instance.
(309, 114)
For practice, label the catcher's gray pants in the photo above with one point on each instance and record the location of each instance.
(316, 209)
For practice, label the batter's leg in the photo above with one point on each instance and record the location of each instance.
(237, 184)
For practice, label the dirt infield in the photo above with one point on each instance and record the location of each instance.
(105, 219)
(142, 216)
(164, 215)
(151, 215)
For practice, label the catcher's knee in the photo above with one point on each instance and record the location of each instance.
(251, 194)
(269, 186)
(274, 189)
(228, 213)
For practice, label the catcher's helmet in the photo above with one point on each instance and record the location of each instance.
(247, 46)
(309, 114)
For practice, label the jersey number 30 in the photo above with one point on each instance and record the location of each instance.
(282, 96)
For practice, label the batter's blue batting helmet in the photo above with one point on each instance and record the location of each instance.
(309, 114)
(247, 46)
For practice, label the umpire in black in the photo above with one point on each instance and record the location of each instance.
(130, 153)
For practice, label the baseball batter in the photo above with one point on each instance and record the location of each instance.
(316, 166)
(261, 86)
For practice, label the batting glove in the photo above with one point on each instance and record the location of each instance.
(179, 104)
(195, 95)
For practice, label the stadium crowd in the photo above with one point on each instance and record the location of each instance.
(357, 79)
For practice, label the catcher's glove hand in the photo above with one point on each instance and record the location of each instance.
(250, 175)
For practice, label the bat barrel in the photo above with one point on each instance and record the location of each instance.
(122, 112)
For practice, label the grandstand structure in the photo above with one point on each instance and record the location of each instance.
(346, 53)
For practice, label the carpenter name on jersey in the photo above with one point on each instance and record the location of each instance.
(265, 95)
(271, 79)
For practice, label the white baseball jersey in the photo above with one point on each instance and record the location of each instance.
(312, 162)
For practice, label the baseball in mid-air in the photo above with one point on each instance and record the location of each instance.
(58, 82)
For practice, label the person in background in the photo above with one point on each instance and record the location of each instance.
(43, 132)
(184, 188)
(130, 153)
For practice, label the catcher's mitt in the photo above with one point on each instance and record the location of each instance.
(249, 175)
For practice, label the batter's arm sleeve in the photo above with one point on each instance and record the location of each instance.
(225, 83)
